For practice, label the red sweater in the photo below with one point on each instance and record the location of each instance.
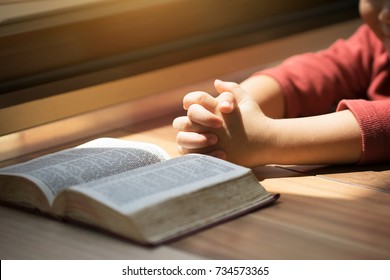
(354, 73)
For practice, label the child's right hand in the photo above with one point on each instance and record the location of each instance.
(230, 126)
(203, 116)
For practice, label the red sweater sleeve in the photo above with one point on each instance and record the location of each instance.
(357, 68)
(374, 121)
(313, 83)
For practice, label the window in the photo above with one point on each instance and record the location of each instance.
(64, 54)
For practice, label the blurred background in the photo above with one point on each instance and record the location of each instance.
(42, 41)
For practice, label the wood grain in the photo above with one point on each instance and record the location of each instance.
(26, 235)
(375, 177)
(317, 217)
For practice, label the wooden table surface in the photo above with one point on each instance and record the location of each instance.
(323, 213)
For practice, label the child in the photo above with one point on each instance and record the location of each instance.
(284, 115)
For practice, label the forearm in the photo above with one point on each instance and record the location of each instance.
(267, 92)
(326, 139)
(248, 137)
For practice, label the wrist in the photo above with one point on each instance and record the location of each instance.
(326, 139)
(267, 93)
(263, 143)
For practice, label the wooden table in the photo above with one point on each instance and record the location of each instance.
(323, 213)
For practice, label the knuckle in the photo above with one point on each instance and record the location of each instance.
(201, 98)
(180, 150)
(191, 140)
(186, 125)
(179, 137)
(193, 97)
(179, 122)
(192, 110)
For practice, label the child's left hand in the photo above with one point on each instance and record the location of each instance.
(231, 126)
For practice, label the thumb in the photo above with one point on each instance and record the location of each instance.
(239, 93)
(226, 102)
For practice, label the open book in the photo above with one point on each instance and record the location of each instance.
(133, 189)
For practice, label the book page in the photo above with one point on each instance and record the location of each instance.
(93, 160)
(132, 190)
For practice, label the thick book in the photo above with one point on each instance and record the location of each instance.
(133, 189)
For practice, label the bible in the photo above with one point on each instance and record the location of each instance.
(134, 189)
